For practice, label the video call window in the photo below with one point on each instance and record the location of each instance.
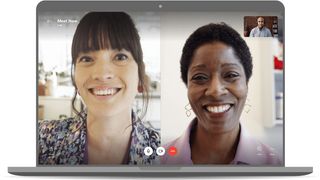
(261, 26)
(89, 66)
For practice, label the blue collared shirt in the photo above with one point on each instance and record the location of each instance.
(264, 32)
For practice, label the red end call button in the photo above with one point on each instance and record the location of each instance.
(172, 151)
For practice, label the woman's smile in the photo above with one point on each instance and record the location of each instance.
(218, 109)
(104, 91)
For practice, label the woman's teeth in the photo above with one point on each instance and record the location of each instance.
(218, 109)
(104, 92)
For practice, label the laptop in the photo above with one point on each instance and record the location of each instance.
(169, 33)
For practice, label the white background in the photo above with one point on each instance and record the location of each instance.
(18, 86)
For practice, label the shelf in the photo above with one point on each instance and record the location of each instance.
(278, 71)
(152, 95)
(278, 122)
(55, 97)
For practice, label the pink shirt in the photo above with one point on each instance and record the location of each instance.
(249, 151)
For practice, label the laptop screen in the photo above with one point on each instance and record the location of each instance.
(160, 83)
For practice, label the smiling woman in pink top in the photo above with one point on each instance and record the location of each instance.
(216, 66)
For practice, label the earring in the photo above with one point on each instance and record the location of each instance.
(188, 110)
(247, 106)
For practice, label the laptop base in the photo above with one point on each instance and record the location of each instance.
(159, 171)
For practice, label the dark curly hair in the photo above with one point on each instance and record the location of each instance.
(210, 33)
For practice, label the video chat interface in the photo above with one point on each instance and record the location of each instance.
(162, 36)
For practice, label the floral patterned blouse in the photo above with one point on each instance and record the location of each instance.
(64, 142)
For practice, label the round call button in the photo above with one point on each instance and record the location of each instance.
(161, 151)
(148, 151)
(172, 151)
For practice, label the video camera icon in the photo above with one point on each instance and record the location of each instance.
(161, 151)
